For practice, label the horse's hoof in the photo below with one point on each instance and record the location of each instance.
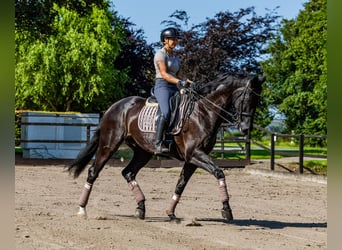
(174, 219)
(140, 213)
(227, 214)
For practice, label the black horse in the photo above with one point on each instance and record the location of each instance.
(210, 108)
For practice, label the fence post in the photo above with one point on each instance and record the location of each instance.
(248, 148)
(222, 142)
(301, 154)
(272, 150)
(88, 133)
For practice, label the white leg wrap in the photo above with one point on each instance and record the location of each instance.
(82, 213)
(170, 209)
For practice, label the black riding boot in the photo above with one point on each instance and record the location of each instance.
(161, 125)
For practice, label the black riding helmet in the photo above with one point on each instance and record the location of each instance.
(169, 33)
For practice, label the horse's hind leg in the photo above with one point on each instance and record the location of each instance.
(187, 172)
(106, 148)
(140, 159)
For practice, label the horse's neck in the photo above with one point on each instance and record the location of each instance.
(222, 97)
(214, 104)
(217, 106)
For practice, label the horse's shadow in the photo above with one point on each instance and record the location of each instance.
(133, 217)
(270, 224)
(266, 223)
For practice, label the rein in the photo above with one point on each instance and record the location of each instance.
(236, 116)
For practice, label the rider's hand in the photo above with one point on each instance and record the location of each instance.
(183, 84)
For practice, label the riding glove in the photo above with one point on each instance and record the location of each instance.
(183, 84)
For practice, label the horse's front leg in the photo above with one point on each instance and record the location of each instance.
(187, 172)
(203, 161)
(226, 210)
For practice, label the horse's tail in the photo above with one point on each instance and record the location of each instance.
(78, 165)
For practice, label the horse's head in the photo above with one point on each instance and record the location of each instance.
(237, 93)
(245, 101)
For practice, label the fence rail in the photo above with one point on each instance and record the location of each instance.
(87, 125)
(243, 144)
(300, 137)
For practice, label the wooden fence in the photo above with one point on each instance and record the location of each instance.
(300, 153)
(242, 144)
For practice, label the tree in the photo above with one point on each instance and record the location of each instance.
(232, 43)
(297, 70)
(72, 67)
(228, 42)
(35, 16)
(136, 59)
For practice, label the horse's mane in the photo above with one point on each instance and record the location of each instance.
(235, 81)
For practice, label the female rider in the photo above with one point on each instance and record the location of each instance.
(168, 81)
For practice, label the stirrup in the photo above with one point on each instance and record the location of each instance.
(160, 149)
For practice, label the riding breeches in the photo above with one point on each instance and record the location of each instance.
(163, 92)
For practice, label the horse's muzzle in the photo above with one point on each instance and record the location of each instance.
(244, 128)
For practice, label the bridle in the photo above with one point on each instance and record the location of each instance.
(244, 92)
(235, 117)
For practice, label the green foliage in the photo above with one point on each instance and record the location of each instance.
(228, 42)
(297, 70)
(36, 17)
(17, 132)
(317, 166)
(136, 58)
(71, 68)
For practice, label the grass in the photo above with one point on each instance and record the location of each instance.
(295, 147)
(318, 166)
(255, 155)
(18, 150)
(124, 153)
(258, 152)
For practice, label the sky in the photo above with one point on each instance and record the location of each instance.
(148, 14)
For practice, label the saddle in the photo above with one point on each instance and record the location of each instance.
(179, 107)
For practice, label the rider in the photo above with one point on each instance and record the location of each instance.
(168, 81)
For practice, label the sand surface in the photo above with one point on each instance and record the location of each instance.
(270, 211)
